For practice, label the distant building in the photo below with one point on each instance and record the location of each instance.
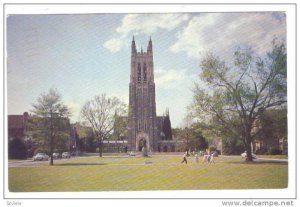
(17, 126)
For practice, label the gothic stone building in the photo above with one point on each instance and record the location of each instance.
(144, 127)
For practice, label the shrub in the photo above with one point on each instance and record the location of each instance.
(233, 150)
(274, 151)
(17, 149)
(212, 148)
(30, 152)
(232, 146)
(261, 151)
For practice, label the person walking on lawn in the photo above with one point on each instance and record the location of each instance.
(184, 158)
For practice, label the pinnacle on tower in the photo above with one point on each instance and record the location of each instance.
(133, 47)
(149, 49)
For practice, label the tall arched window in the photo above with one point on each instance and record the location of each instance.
(145, 71)
(145, 125)
(139, 72)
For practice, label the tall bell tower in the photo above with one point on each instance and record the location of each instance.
(142, 126)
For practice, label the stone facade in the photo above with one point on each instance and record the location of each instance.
(143, 124)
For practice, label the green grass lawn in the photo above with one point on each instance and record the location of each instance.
(131, 174)
(273, 156)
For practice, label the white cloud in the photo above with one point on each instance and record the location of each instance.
(74, 107)
(122, 96)
(134, 24)
(150, 23)
(171, 78)
(114, 45)
(221, 32)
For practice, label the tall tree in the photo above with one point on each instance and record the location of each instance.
(49, 125)
(273, 128)
(100, 113)
(120, 127)
(167, 130)
(190, 136)
(237, 95)
(198, 141)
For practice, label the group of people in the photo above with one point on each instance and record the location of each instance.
(207, 157)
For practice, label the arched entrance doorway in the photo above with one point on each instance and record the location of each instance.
(142, 140)
(142, 143)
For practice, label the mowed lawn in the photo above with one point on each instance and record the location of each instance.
(132, 174)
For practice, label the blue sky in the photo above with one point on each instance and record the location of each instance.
(86, 55)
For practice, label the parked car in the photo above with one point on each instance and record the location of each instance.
(132, 153)
(40, 157)
(66, 155)
(244, 155)
(56, 155)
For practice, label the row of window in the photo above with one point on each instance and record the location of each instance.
(139, 72)
(142, 125)
(139, 91)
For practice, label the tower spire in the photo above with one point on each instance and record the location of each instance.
(133, 47)
(149, 49)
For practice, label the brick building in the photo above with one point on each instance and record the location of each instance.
(17, 126)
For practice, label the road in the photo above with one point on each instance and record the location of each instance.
(31, 163)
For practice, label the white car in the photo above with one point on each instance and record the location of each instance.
(244, 155)
(41, 157)
(56, 155)
(132, 153)
(66, 155)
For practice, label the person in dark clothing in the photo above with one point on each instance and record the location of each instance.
(184, 158)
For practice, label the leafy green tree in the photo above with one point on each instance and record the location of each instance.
(167, 130)
(198, 141)
(190, 136)
(120, 127)
(272, 125)
(49, 125)
(85, 140)
(235, 95)
(99, 114)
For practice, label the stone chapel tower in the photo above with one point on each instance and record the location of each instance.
(142, 120)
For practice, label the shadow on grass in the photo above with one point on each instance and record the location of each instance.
(259, 162)
(79, 164)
